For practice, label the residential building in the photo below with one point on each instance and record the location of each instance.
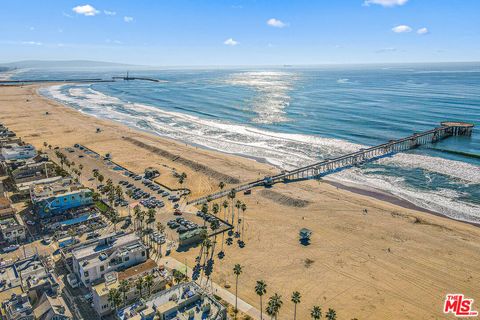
(33, 171)
(12, 229)
(36, 279)
(18, 307)
(10, 282)
(56, 197)
(6, 209)
(23, 188)
(113, 279)
(15, 151)
(112, 252)
(52, 308)
(183, 301)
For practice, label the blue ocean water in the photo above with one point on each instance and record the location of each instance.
(292, 116)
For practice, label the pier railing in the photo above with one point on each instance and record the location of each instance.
(327, 166)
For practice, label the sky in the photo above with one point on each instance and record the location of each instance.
(237, 32)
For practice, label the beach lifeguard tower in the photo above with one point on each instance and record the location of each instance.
(304, 236)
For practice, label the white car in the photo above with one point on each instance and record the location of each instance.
(30, 222)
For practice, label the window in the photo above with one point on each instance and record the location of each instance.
(65, 199)
(102, 268)
(85, 274)
(73, 197)
(126, 259)
(143, 253)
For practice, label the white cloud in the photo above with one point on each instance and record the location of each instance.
(422, 30)
(385, 3)
(109, 13)
(113, 41)
(276, 23)
(230, 42)
(128, 19)
(86, 10)
(32, 43)
(387, 49)
(31, 28)
(402, 29)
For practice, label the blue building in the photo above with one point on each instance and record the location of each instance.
(53, 199)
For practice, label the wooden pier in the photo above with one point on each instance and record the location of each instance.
(328, 166)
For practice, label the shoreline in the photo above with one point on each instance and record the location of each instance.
(393, 199)
(380, 195)
(392, 251)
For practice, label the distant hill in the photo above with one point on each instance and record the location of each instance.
(47, 64)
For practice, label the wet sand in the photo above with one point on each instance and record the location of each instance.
(395, 262)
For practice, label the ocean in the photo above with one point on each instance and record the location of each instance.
(292, 116)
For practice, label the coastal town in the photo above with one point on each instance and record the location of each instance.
(122, 223)
(82, 239)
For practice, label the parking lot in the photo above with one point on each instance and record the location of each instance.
(168, 204)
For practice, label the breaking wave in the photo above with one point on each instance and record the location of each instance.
(286, 150)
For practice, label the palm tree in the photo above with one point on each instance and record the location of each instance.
(136, 212)
(260, 290)
(331, 314)
(316, 313)
(123, 287)
(205, 212)
(111, 197)
(100, 178)
(161, 230)
(141, 217)
(119, 192)
(244, 208)
(114, 298)
(139, 286)
(149, 283)
(114, 218)
(274, 304)
(150, 216)
(215, 208)
(225, 206)
(238, 204)
(237, 270)
(296, 297)
(232, 196)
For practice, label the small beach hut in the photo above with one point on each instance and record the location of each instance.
(305, 234)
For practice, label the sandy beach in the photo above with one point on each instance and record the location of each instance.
(393, 262)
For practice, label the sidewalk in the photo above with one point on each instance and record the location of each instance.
(217, 289)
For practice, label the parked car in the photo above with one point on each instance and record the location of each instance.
(11, 248)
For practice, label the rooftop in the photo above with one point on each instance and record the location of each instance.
(108, 242)
(179, 301)
(53, 187)
(112, 279)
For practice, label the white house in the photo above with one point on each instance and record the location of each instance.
(109, 253)
(16, 152)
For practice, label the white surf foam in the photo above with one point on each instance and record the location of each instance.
(284, 150)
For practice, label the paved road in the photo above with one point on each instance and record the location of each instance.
(217, 289)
